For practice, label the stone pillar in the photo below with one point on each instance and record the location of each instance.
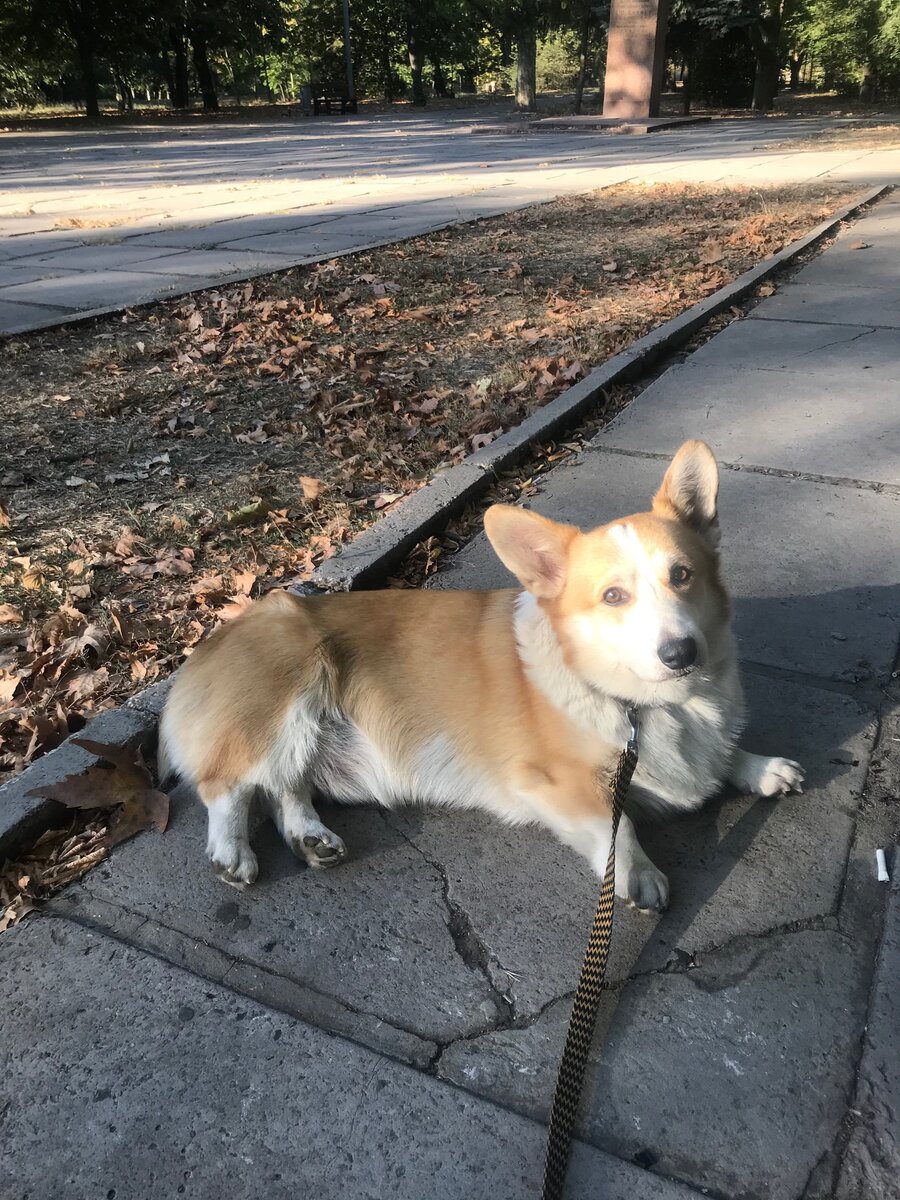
(635, 58)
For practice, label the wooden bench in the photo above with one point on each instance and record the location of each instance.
(323, 101)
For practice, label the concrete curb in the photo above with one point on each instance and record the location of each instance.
(378, 549)
(366, 562)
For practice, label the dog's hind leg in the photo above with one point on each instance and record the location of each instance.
(228, 840)
(299, 825)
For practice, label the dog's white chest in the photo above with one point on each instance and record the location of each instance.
(685, 751)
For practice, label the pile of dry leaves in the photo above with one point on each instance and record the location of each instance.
(161, 468)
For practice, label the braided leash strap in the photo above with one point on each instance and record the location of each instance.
(587, 1000)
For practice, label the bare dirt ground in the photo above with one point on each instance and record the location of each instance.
(163, 466)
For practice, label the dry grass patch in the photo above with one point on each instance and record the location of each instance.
(863, 135)
(164, 466)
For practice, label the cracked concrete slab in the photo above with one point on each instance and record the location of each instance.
(813, 424)
(203, 1093)
(811, 566)
(704, 1074)
(742, 866)
(373, 934)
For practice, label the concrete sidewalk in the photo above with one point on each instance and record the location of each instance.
(392, 1028)
(93, 221)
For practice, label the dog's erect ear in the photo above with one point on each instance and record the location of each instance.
(689, 490)
(533, 547)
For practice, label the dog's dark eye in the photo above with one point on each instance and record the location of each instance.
(680, 575)
(614, 596)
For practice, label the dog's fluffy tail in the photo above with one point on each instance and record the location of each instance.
(166, 772)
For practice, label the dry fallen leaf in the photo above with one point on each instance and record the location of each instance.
(712, 253)
(126, 785)
(86, 683)
(243, 582)
(9, 615)
(311, 487)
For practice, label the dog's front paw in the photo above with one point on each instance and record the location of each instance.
(778, 776)
(644, 886)
(762, 776)
(234, 863)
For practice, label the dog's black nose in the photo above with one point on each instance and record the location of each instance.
(678, 653)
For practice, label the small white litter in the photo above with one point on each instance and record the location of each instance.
(880, 862)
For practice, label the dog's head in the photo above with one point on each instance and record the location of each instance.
(637, 605)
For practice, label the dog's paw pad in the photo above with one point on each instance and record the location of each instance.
(236, 866)
(323, 849)
(780, 776)
(646, 888)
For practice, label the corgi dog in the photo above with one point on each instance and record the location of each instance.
(515, 701)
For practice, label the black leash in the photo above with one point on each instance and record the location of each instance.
(570, 1080)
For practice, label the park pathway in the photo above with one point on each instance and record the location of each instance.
(93, 221)
(391, 1029)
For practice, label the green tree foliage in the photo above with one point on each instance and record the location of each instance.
(730, 52)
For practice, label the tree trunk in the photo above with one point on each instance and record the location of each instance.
(466, 80)
(686, 88)
(416, 64)
(120, 88)
(387, 74)
(441, 87)
(165, 65)
(80, 19)
(235, 86)
(204, 73)
(582, 60)
(526, 70)
(796, 64)
(179, 93)
(765, 35)
(123, 87)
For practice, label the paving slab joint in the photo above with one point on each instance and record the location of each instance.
(320, 1009)
(869, 485)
